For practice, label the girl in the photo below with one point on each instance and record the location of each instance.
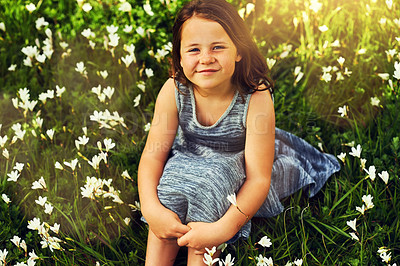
(213, 134)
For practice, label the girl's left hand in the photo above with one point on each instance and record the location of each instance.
(203, 235)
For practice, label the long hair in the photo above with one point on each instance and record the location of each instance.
(251, 71)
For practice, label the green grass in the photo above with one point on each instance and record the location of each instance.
(94, 230)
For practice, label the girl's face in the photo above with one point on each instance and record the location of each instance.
(208, 55)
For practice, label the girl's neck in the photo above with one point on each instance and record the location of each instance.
(220, 93)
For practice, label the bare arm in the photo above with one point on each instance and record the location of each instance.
(163, 222)
(259, 155)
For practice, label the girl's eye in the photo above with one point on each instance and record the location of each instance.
(194, 50)
(218, 47)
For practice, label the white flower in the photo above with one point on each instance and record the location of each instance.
(326, 77)
(384, 76)
(125, 7)
(228, 261)
(208, 260)
(323, 28)
(385, 176)
(386, 257)
(128, 29)
(41, 200)
(212, 251)
(341, 61)
(55, 228)
(23, 245)
(59, 91)
(315, 6)
(18, 166)
(361, 209)
(141, 85)
(50, 133)
(3, 255)
(63, 45)
(126, 175)
(40, 184)
(27, 62)
(362, 51)
(81, 141)
(112, 29)
(356, 152)
(147, 9)
(58, 166)
(13, 176)
(109, 91)
(396, 73)
(362, 163)
(343, 110)
(137, 100)
(88, 33)
(128, 59)
(375, 101)
(263, 261)
(103, 74)
(232, 199)
(389, 3)
(367, 199)
(149, 72)
(108, 144)
(48, 208)
(342, 156)
(34, 224)
(6, 154)
(298, 262)
(352, 224)
(95, 161)
(2, 26)
(72, 164)
(354, 236)
(12, 67)
(371, 172)
(41, 22)
(33, 256)
(3, 141)
(5, 198)
(265, 242)
(147, 127)
(86, 7)
(127, 220)
(16, 240)
(270, 62)
(114, 38)
(30, 51)
(140, 31)
(30, 7)
(80, 67)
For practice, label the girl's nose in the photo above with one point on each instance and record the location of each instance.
(206, 58)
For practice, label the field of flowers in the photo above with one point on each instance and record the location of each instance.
(78, 81)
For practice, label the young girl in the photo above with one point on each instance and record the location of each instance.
(213, 135)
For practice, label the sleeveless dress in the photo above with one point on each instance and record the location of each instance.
(206, 164)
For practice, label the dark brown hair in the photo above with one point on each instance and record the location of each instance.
(250, 71)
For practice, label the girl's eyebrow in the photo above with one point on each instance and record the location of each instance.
(213, 43)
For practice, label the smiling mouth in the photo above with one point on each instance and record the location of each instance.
(208, 71)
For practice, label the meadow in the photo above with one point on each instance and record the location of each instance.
(78, 82)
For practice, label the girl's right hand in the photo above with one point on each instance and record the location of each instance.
(165, 224)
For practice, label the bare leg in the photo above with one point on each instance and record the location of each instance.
(160, 252)
(197, 260)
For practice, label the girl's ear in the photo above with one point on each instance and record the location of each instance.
(238, 58)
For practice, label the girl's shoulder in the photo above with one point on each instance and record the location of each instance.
(261, 104)
(166, 95)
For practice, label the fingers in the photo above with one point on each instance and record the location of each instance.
(183, 241)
